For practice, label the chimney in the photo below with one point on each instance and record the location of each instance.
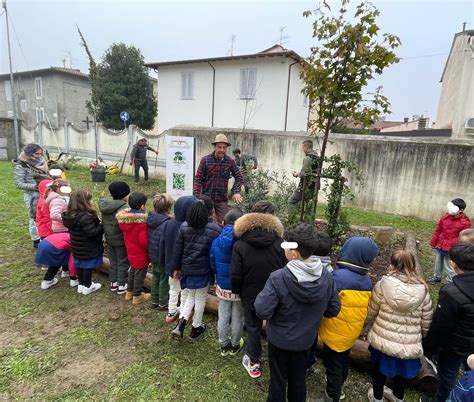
(422, 123)
(405, 120)
(464, 26)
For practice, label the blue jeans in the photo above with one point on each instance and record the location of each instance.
(448, 368)
(144, 165)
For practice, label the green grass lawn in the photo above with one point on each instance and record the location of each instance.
(57, 344)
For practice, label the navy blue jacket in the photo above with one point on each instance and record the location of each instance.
(294, 305)
(221, 256)
(155, 224)
(192, 248)
(170, 230)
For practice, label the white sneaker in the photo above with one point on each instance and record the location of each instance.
(80, 288)
(44, 268)
(113, 286)
(64, 274)
(122, 289)
(92, 288)
(47, 284)
(73, 282)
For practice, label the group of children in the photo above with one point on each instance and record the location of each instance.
(263, 272)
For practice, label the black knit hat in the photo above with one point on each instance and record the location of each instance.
(119, 190)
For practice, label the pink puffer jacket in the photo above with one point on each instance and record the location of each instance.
(57, 205)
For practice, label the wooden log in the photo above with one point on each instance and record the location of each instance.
(212, 302)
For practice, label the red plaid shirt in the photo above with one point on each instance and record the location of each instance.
(212, 178)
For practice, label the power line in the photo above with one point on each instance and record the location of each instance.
(425, 55)
(19, 44)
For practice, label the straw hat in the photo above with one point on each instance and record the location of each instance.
(221, 138)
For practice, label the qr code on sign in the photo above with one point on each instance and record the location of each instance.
(178, 181)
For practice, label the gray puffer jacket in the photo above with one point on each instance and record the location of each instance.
(399, 316)
(23, 175)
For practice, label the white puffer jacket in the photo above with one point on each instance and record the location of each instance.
(399, 316)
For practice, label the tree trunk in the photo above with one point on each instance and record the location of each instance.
(319, 171)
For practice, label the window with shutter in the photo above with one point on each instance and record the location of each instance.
(39, 114)
(248, 83)
(8, 90)
(23, 105)
(187, 85)
(38, 88)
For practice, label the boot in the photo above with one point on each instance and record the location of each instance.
(128, 295)
(178, 331)
(140, 299)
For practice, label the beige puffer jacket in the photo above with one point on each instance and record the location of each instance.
(399, 316)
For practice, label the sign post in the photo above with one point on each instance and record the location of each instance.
(180, 165)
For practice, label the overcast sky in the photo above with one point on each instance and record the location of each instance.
(174, 30)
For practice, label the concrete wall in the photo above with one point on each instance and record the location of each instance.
(407, 176)
(413, 177)
(456, 102)
(266, 111)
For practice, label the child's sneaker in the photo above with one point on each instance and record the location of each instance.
(80, 288)
(225, 350)
(197, 333)
(252, 368)
(113, 286)
(44, 268)
(64, 274)
(178, 331)
(121, 289)
(92, 288)
(171, 317)
(73, 283)
(47, 284)
(237, 348)
(434, 279)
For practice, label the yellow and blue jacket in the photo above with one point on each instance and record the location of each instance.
(355, 289)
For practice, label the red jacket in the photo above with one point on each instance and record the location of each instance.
(135, 234)
(43, 220)
(447, 231)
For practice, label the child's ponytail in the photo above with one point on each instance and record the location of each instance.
(55, 185)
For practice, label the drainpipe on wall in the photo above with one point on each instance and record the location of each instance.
(213, 92)
(288, 93)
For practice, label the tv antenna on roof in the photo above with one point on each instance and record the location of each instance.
(283, 38)
(232, 37)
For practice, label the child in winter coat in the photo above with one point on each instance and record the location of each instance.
(446, 235)
(451, 336)
(117, 253)
(192, 266)
(133, 224)
(86, 233)
(293, 302)
(340, 333)
(256, 254)
(399, 316)
(162, 204)
(57, 198)
(54, 251)
(464, 389)
(43, 220)
(165, 251)
(230, 324)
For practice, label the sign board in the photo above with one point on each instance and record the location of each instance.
(180, 165)
(124, 116)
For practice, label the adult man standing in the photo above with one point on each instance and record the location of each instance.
(213, 174)
(138, 158)
(246, 163)
(307, 172)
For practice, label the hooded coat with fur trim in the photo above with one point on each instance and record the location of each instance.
(256, 254)
(135, 234)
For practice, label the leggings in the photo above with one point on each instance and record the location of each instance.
(53, 270)
(378, 382)
(85, 277)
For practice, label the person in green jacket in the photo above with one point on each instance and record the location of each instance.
(117, 252)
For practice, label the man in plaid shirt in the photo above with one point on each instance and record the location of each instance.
(212, 177)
